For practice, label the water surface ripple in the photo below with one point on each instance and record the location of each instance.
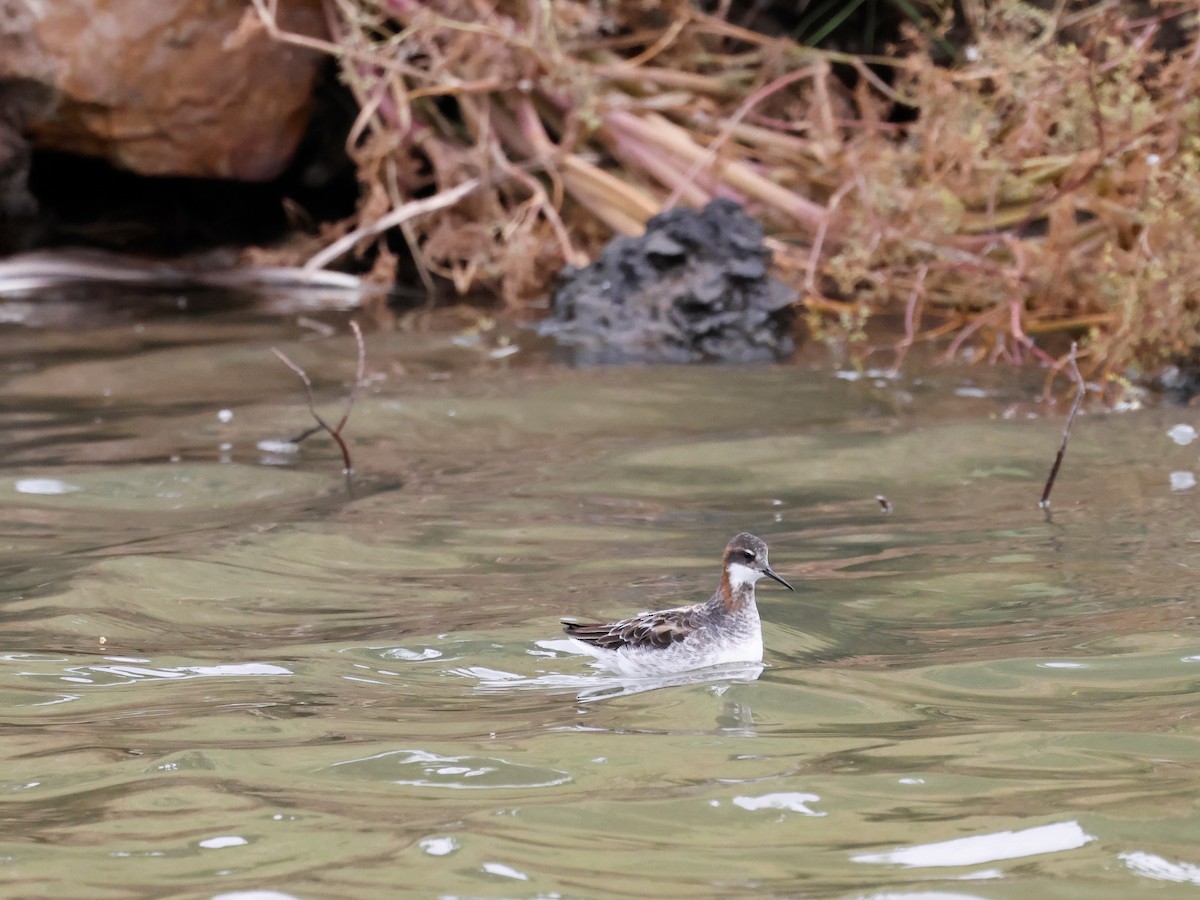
(224, 674)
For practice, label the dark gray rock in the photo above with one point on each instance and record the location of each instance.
(694, 287)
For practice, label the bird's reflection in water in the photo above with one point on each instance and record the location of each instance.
(605, 685)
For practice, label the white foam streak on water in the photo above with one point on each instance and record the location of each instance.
(423, 768)
(232, 670)
(133, 669)
(792, 801)
(438, 846)
(984, 848)
(45, 486)
(223, 841)
(407, 655)
(497, 868)
(1182, 434)
(1150, 866)
(1182, 480)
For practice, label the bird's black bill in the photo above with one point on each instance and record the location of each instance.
(771, 574)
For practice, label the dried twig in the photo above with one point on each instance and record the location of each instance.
(1024, 225)
(1044, 503)
(709, 157)
(396, 217)
(334, 432)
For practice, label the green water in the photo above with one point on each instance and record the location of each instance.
(225, 674)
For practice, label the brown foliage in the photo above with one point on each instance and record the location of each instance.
(1049, 182)
(1046, 186)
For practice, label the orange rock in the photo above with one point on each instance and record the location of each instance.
(163, 87)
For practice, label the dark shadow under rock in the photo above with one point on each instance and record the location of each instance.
(1179, 380)
(694, 287)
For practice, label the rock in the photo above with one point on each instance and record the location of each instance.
(694, 287)
(191, 88)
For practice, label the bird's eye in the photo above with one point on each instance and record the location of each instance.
(748, 554)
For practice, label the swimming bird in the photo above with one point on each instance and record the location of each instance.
(724, 629)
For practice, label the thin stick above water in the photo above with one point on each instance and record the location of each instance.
(334, 432)
(1044, 503)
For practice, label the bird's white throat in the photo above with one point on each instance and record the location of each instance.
(742, 576)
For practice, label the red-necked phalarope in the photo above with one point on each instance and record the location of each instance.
(725, 629)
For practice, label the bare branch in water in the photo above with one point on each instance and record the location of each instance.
(359, 374)
(1044, 503)
(334, 432)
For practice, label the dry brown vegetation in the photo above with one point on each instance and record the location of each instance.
(1045, 185)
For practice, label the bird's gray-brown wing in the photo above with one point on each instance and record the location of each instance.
(656, 630)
